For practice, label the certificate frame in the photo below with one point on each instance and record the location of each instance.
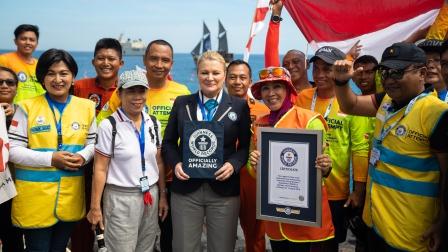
(286, 209)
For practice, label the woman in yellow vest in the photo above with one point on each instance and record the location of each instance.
(278, 93)
(52, 136)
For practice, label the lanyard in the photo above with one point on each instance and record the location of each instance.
(141, 142)
(389, 115)
(206, 116)
(313, 105)
(57, 122)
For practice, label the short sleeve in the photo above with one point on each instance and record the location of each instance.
(103, 143)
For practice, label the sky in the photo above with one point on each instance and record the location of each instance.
(76, 25)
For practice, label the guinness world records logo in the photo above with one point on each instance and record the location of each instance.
(202, 143)
(289, 157)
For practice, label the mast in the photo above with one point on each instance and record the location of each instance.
(196, 51)
(222, 38)
(206, 39)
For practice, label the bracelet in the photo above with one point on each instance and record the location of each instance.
(340, 83)
(165, 190)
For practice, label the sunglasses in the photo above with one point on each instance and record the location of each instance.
(274, 71)
(395, 74)
(8, 82)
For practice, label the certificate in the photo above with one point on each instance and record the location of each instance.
(288, 183)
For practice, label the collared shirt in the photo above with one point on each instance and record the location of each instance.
(125, 167)
(201, 96)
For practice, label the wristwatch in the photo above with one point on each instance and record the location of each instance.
(276, 19)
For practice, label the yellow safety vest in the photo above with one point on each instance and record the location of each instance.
(403, 187)
(47, 195)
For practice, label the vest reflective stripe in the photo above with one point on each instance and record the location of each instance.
(298, 118)
(46, 194)
(403, 187)
(407, 162)
(408, 186)
(45, 176)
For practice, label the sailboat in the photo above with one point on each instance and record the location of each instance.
(205, 41)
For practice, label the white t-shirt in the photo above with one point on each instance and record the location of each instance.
(125, 167)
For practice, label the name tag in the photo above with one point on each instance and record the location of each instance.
(144, 184)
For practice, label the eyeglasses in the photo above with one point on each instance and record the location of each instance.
(274, 71)
(8, 82)
(395, 74)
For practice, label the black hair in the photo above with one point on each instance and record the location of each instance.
(159, 42)
(108, 43)
(240, 62)
(444, 47)
(50, 57)
(14, 75)
(24, 28)
(366, 59)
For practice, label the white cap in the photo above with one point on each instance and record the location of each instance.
(132, 78)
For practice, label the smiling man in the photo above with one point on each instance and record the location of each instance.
(365, 79)
(22, 62)
(434, 76)
(238, 81)
(107, 61)
(409, 157)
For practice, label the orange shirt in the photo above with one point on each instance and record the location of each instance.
(88, 88)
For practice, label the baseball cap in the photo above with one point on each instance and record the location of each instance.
(132, 78)
(279, 74)
(431, 45)
(401, 55)
(328, 54)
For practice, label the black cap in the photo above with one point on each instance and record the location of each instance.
(401, 55)
(328, 54)
(431, 45)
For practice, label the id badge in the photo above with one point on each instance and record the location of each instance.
(374, 156)
(144, 184)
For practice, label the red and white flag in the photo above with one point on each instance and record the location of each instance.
(257, 24)
(377, 24)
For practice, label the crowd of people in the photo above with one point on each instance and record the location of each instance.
(107, 153)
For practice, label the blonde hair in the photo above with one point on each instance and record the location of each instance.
(212, 55)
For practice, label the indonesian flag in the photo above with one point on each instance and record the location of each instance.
(377, 24)
(257, 25)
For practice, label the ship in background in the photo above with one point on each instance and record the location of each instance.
(206, 43)
(130, 47)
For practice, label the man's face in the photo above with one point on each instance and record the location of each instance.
(444, 65)
(158, 62)
(238, 80)
(295, 63)
(365, 79)
(323, 74)
(409, 86)
(26, 42)
(434, 69)
(107, 62)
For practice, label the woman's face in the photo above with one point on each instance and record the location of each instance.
(8, 87)
(273, 94)
(58, 81)
(133, 99)
(211, 75)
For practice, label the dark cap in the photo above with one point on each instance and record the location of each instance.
(328, 54)
(431, 45)
(401, 55)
